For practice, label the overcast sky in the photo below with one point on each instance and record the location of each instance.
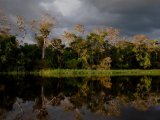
(131, 16)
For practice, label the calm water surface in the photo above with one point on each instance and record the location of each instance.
(89, 98)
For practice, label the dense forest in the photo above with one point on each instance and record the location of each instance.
(102, 48)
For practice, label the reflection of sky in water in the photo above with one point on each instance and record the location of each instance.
(133, 114)
(54, 113)
(58, 113)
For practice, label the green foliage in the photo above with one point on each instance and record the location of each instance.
(71, 64)
(8, 48)
(142, 56)
(77, 49)
(102, 50)
(105, 63)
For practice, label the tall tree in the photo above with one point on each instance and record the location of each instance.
(4, 23)
(142, 50)
(22, 26)
(44, 28)
(79, 28)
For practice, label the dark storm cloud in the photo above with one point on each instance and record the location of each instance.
(131, 16)
(134, 16)
(26, 8)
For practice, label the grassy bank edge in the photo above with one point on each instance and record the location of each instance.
(86, 73)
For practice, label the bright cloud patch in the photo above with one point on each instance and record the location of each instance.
(45, 5)
(67, 7)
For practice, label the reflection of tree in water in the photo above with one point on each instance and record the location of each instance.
(7, 96)
(103, 95)
(105, 81)
(102, 100)
(41, 102)
(144, 85)
(144, 97)
(87, 92)
(92, 93)
(143, 103)
(15, 87)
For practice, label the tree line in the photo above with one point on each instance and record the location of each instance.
(103, 48)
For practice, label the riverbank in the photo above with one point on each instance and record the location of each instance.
(85, 73)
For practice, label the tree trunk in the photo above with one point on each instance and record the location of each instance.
(43, 49)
